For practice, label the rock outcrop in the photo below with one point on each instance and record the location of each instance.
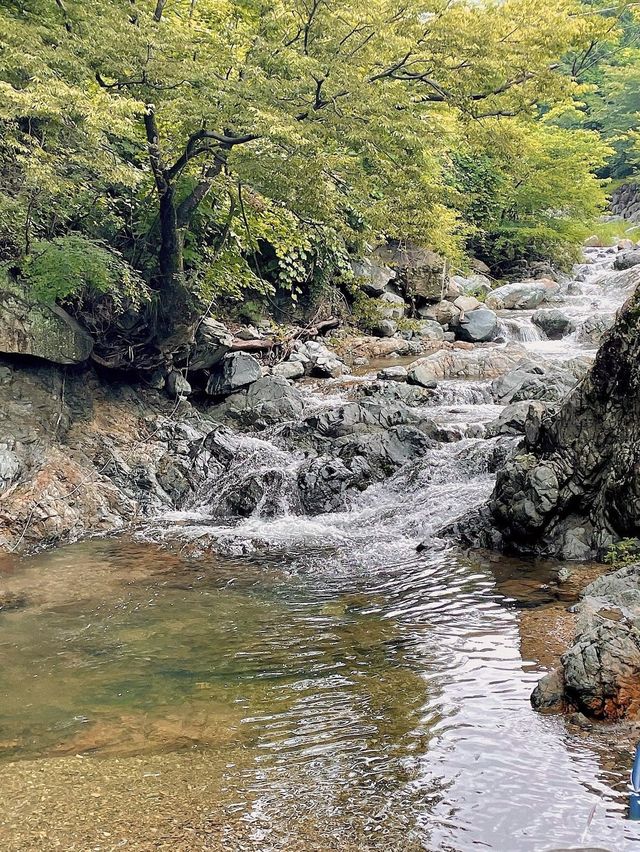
(599, 675)
(48, 332)
(574, 487)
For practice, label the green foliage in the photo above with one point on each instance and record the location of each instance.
(282, 136)
(624, 552)
(73, 266)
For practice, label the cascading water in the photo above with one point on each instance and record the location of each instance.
(342, 691)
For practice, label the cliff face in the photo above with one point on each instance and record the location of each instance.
(574, 485)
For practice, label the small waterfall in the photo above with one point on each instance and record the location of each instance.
(519, 330)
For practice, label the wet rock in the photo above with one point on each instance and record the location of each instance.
(520, 295)
(235, 371)
(12, 600)
(593, 329)
(212, 342)
(361, 418)
(627, 259)
(477, 326)
(293, 369)
(391, 374)
(549, 694)
(323, 484)
(461, 364)
(177, 385)
(385, 450)
(268, 400)
(514, 418)
(372, 277)
(553, 323)
(534, 380)
(29, 328)
(474, 285)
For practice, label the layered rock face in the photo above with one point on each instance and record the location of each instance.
(574, 486)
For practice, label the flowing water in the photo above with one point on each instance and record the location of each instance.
(284, 682)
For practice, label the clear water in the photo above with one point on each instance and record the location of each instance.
(291, 682)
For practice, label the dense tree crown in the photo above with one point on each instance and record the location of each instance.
(168, 152)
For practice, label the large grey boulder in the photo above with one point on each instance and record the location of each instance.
(514, 418)
(473, 285)
(392, 306)
(289, 369)
(268, 400)
(477, 326)
(212, 342)
(553, 323)
(444, 312)
(372, 277)
(627, 259)
(460, 364)
(323, 483)
(235, 371)
(29, 328)
(430, 330)
(539, 380)
(519, 295)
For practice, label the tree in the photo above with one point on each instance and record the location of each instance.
(340, 116)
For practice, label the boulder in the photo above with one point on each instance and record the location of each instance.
(46, 331)
(430, 330)
(477, 326)
(268, 400)
(593, 329)
(593, 242)
(293, 369)
(10, 466)
(212, 342)
(460, 364)
(235, 371)
(444, 312)
(322, 484)
(519, 295)
(392, 306)
(627, 259)
(539, 380)
(474, 285)
(177, 385)
(249, 332)
(386, 328)
(393, 374)
(372, 277)
(553, 323)
(625, 245)
(420, 272)
(467, 303)
(513, 419)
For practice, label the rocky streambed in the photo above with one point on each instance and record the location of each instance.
(264, 618)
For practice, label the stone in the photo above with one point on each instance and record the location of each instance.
(420, 271)
(519, 295)
(322, 484)
(235, 371)
(212, 342)
(289, 369)
(10, 466)
(328, 367)
(477, 326)
(45, 331)
(12, 601)
(473, 285)
(627, 259)
(553, 323)
(593, 242)
(460, 364)
(593, 329)
(393, 374)
(386, 328)
(392, 306)
(467, 303)
(177, 385)
(249, 332)
(372, 277)
(533, 380)
(430, 330)
(625, 245)
(513, 418)
(444, 312)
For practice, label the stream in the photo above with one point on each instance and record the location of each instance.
(282, 682)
